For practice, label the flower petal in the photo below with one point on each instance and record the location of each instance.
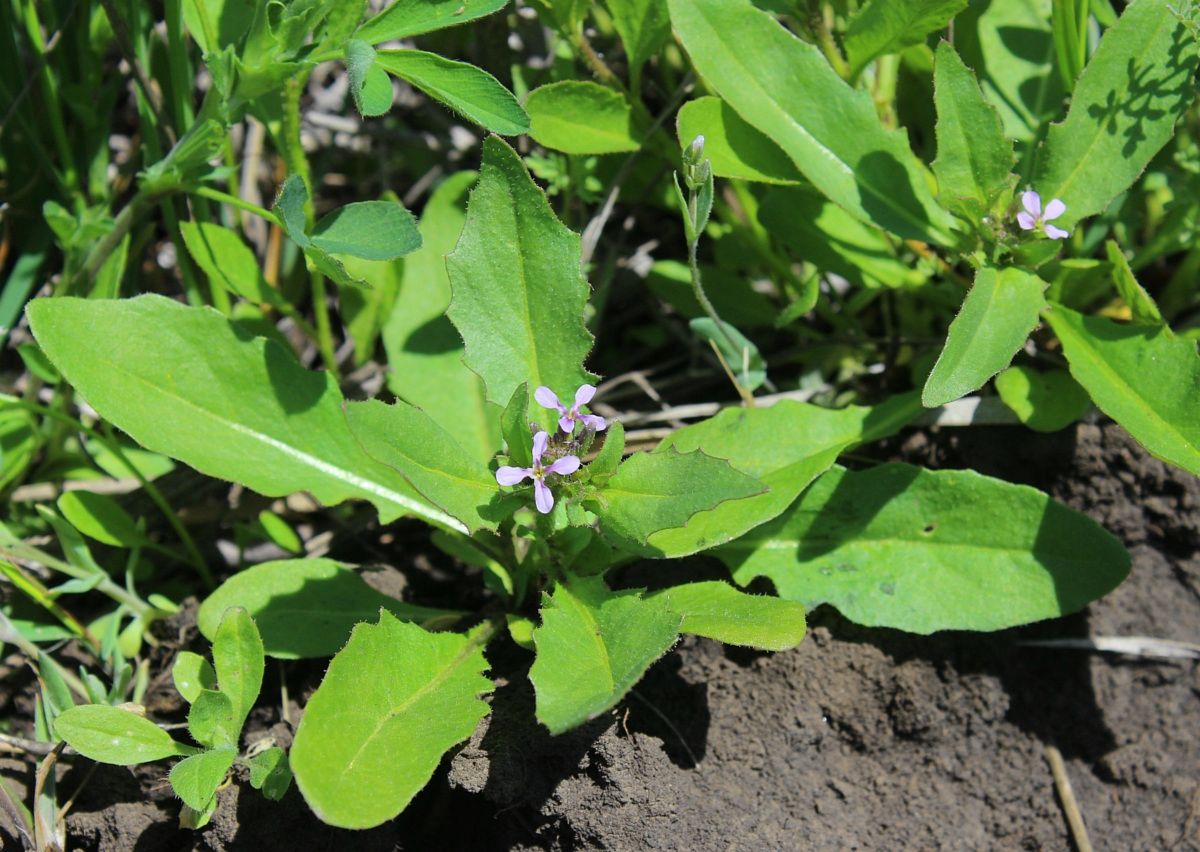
(542, 497)
(584, 395)
(594, 422)
(566, 424)
(1032, 202)
(1054, 209)
(1026, 221)
(547, 398)
(508, 475)
(1055, 233)
(539, 445)
(565, 466)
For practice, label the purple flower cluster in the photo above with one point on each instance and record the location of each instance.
(564, 466)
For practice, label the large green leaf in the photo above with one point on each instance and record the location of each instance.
(467, 90)
(303, 607)
(652, 492)
(113, 735)
(393, 701)
(409, 441)
(718, 611)
(406, 18)
(195, 779)
(424, 350)
(518, 286)
(582, 117)
(592, 646)
(997, 315)
(974, 159)
(188, 383)
(1123, 110)
(1143, 377)
(920, 550)
(889, 26)
(785, 446)
(734, 148)
(785, 88)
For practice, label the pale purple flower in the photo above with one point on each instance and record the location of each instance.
(568, 417)
(1033, 217)
(508, 475)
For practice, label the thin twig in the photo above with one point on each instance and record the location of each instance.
(1070, 807)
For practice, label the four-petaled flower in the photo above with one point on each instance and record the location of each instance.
(508, 475)
(568, 417)
(1033, 217)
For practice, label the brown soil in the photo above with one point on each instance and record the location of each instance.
(859, 739)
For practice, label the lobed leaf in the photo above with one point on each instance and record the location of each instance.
(592, 646)
(997, 316)
(393, 701)
(919, 550)
(1143, 377)
(784, 87)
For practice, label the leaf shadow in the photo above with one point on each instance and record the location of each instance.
(438, 336)
(882, 169)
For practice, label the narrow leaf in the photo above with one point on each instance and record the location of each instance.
(1123, 110)
(889, 26)
(188, 383)
(406, 18)
(227, 261)
(996, 317)
(112, 735)
(718, 611)
(393, 701)
(238, 660)
(518, 286)
(195, 779)
(470, 91)
(592, 646)
(898, 546)
(1141, 306)
(785, 88)
(101, 518)
(1143, 377)
(582, 117)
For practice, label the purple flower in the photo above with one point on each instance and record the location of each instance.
(1033, 217)
(568, 417)
(508, 475)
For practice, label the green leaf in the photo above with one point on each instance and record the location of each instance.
(826, 235)
(406, 18)
(230, 18)
(974, 159)
(1143, 377)
(662, 490)
(423, 348)
(188, 383)
(518, 286)
(195, 779)
(372, 230)
(472, 92)
(1044, 400)
(718, 611)
(592, 646)
(227, 262)
(882, 27)
(278, 530)
(644, 27)
(608, 459)
(1123, 110)
(785, 446)
(919, 550)
(289, 206)
(270, 772)
(369, 84)
(1141, 306)
(303, 607)
(785, 88)
(36, 363)
(112, 735)
(1010, 45)
(996, 317)
(407, 440)
(514, 425)
(101, 518)
(734, 148)
(393, 701)
(238, 660)
(211, 720)
(582, 117)
(191, 674)
(740, 354)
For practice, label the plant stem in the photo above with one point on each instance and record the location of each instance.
(42, 596)
(105, 246)
(234, 201)
(20, 552)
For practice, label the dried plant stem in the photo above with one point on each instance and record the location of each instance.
(1062, 783)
